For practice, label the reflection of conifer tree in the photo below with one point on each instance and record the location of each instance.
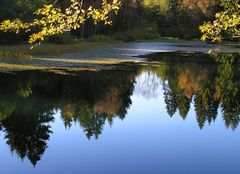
(91, 122)
(6, 109)
(228, 88)
(27, 131)
(89, 98)
(175, 99)
(212, 111)
(102, 98)
(171, 101)
(200, 111)
(67, 121)
(25, 91)
(205, 104)
(212, 84)
(127, 102)
(231, 120)
(183, 105)
(173, 95)
(209, 103)
(67, 113)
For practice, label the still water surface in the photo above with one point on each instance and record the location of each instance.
(174, 117)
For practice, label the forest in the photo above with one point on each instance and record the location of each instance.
(135, 20)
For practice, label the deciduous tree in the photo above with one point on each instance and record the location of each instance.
(226, 24)
(51, 20)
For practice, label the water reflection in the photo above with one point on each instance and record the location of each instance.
(29, 100)
(208, 86)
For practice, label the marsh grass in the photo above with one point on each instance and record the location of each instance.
(15, 54)
(109, 61)
(237, 45)
(79, 65)
(19, 67)
(24, 51)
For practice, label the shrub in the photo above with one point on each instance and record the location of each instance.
(143, 30)
(101, 38)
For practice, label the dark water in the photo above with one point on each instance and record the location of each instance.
(173, 117)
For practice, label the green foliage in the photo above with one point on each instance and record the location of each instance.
(101, 38)
(65, 38)
(25, 91)
(143, 30)
(6, 110)
(230, 5)
(91, 122)
(53, 20)
(176, 21)
(226, 25)
(169, 16)
(157, 6)
(19, 8)
(228, 89)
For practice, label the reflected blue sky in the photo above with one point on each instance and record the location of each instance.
(146, 141)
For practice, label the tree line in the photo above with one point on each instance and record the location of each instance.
(134, 20)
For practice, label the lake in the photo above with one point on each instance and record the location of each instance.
(179, 114)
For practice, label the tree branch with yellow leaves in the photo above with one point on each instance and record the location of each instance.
(51, 20)
(226, 24)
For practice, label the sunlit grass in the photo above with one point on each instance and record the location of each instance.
(109, 61)
(23, 67)
(15, 54)
(237, 45)
(24, 51)
(80, 65)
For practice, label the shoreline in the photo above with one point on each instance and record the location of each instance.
(94, 56)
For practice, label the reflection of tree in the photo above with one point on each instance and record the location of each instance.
(228, 88)
(206, 104)
(171, 101)
(147, 84)
(102, 98)
(175, 97)
(90, 99)
(174, 101)
(209, 84)
(91, 122)
(24, 91)
(6, 109)
(183, 106)
(200, 112)
(206, 109)
(27, 130)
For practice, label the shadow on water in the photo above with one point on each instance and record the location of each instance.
(29, 100)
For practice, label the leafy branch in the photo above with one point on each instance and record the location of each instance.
(226, 25)
(51, 20)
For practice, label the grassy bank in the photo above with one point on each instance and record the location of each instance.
(24, 51)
